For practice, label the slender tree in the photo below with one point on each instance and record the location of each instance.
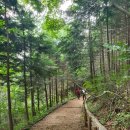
(8, 72)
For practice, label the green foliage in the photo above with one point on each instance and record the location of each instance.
(94, 107)
(65, 46)
(37, 5)
(53, 26)
(122, 119)
(39, 60)
(120, 47)
(74, 8)
(87, 85)
(103, 120)
(97, 85)
(81, 73)
(53, 4)
(120, 78)
(71, 95)
(44, 66)
(40, 5)
(2, 23)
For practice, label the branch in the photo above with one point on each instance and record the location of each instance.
(121, 9)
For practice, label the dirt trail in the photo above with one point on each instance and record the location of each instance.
(67, 117)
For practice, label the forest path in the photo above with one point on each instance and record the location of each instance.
(67, 117)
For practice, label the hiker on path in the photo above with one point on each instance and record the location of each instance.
(84, 94)
(77, 92)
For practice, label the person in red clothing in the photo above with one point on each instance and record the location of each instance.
(77, 92)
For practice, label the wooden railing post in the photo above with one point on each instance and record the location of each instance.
(85, 118)
(89, 123)
(95, 128)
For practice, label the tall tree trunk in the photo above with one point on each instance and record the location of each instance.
(38, 98)
(67, 86)
(56, 89)
(93, 64)
(10, 119)
(108, 51)
(128, 88)
(102, 51)
(25, 82)
(61, 93)
(112, 53)
(90, 51)
(8, 91)
(32, 97)
(101, 71)
(116, 53)
(31, 85)
(50, 92)
(46, 94)
(54, 92)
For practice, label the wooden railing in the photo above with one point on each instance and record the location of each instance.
(90, 121)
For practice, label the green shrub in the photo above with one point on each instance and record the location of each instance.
(123, 119)
(94, 107)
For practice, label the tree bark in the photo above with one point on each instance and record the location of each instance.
(38, 98)
(25, 84)
(67, 86)
(102, 51)
(90, 51)
(31, 85)
(46, 94)
(108, 51)
(56, 89)
(61, 96)
(50, 92)
(121, 9)
(128, 60)
(10, 118)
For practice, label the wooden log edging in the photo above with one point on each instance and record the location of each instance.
(91, 121)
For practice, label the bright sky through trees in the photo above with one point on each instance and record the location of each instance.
(66, 4)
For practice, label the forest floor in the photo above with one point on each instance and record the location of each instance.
(67, 117)
(114, 116)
